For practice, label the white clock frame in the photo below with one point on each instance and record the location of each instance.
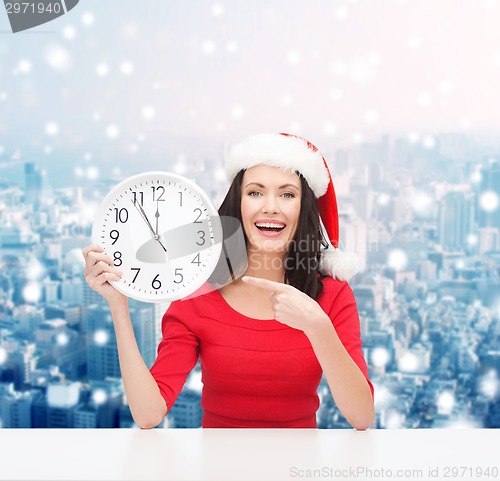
(159, 263)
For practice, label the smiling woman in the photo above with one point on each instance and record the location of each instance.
(288, 316)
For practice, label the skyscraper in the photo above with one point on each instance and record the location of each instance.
(490, 185)
(187, 411)
(102, 352)
(455, 220)
(33, 184)
(15, 407)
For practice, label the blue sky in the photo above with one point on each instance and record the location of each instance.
(130, 77)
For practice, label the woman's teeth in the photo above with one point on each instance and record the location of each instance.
(269, 226)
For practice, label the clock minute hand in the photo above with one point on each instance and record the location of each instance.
(145, 217)
(157, 215)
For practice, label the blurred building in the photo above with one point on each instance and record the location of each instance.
(456, 218)
(187, 411)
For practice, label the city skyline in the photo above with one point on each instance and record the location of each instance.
(428, 302)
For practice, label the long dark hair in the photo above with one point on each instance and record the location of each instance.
(302, 259)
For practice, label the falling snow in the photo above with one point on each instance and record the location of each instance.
(52, 128)
(126, 68)
(69, 32)
(99, 396)
(488, 201)
(58, 58)
(32, 293)
(112, 131)
(102, 69)
(101, 337)
(148, 112)
(88, 19)
(3, 356)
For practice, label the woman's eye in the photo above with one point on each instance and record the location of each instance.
(254, 193)
(288, 195)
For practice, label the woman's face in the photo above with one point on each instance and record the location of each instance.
(270, 207)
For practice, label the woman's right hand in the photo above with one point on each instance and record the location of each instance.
(99, 269)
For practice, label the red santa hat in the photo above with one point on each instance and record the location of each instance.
(297, 154)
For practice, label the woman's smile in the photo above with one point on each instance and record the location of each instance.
(270, 227)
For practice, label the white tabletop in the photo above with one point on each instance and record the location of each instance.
(247, 454)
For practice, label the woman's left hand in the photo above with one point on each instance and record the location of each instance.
(291, 306)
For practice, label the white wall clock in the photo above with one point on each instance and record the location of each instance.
(163, 232)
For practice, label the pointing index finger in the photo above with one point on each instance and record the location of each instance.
(264, 283)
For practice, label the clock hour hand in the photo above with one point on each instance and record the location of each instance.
(145, 217)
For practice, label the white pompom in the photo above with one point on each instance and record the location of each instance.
(340, 264)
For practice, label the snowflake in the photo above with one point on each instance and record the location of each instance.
(62, 339)
(52, 128)
(383, 199)
(329, 128)
(101, 337)
(3, 356)
(421, 203)
(217, 10)
(69, 32)
(476, 177)
(88, 19)
(102, 69)
(92, 173)
(488, 201)
(429, 142)
(380, 357)
(231, 46)
(371, 116)
(99, 396)
(408, 362)
(489, 385)
(445, 402)
(35, 270)
(208, 47)
(394, 419)
(126, 68)
(238, 112)
(24, 66)
(293, 57)
(32, 293)
(58, 58)
(341, 13)
(112, 131)
(148, 112)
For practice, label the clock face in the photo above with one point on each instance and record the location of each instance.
(163, 233)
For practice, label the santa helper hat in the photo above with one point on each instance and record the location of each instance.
(297, 154)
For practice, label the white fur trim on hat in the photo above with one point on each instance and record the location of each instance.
(279, 151)
(339, 264)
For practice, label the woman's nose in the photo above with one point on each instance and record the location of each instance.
(270, 205)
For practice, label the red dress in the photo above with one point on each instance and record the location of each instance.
(255, 373)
